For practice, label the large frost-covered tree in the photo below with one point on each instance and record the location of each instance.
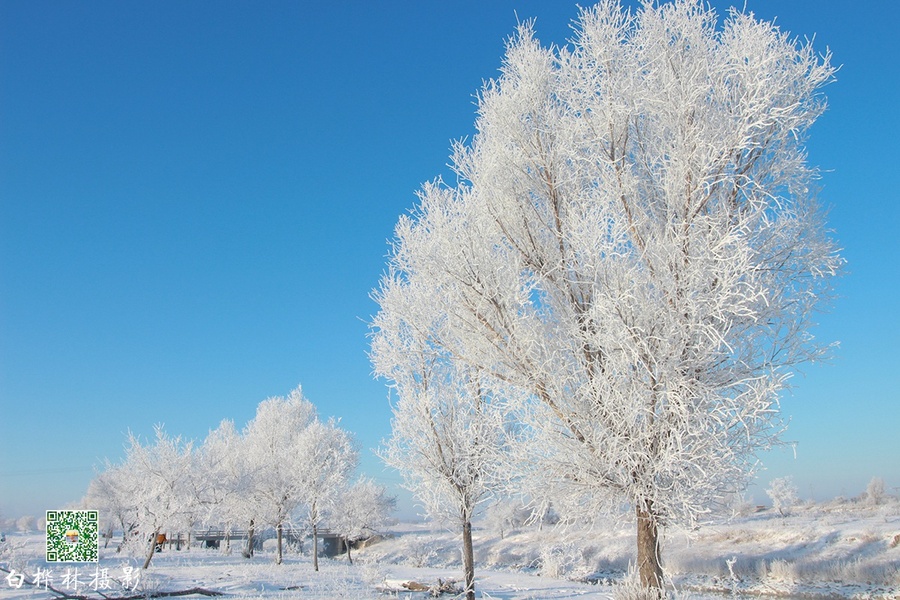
(634, 245)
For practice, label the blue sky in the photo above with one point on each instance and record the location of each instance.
(196, 200)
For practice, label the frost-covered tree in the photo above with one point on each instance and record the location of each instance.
(783, 494)
(26, 523)
(226, 471)
(634, 246)
(295, 461)
(875, 491)
(197, 496)
(360, 510)
(112, 492)
(272, 445)
(160, 477)
(330, 459)
(505, 515)
(445, 433)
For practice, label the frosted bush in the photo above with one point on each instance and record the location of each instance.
(558, 561)
(506, 516)
(336, 584)
(630, 588)
(783, 493)
(782, 570)
(373, 575)
(740, 506)
(421, 553)
(762, 570)
(875, 491)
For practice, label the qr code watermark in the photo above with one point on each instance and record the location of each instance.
(73, 536)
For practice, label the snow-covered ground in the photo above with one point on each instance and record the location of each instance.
(839, 549)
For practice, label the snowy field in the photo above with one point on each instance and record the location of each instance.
(841, 549)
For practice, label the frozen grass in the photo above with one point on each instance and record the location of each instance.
(843, 549)
(839, 549)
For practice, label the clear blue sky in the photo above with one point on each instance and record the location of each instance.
(196, 200)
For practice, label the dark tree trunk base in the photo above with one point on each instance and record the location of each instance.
(649, 564)
(468, 561)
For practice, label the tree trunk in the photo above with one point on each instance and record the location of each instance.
(249, 551)
(347, 542)
(648, 559)
(315, 547)
(468, 560)
(125, 532)
(153, 539)
(278, 537)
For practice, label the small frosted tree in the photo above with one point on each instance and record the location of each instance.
(445, 434)
(112, 493)
(875, 491)
(330, 458)
(783, 494)
(275, 454)
(160, 476)
(226, 470)
(634, 246)
(506, 515)
(197, 496)
(360, 510)
(26, 523)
